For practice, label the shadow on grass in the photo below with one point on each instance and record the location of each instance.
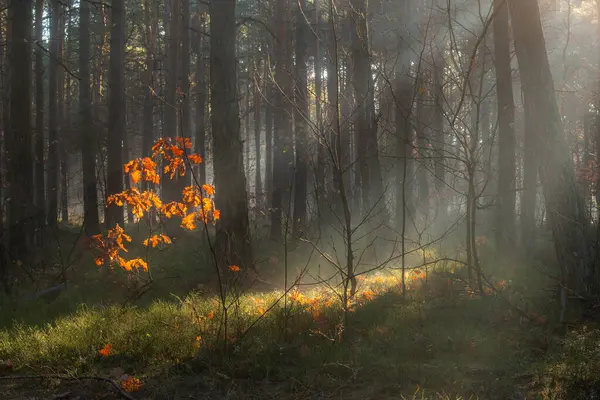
(392, 346)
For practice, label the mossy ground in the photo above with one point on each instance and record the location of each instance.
(435, 342)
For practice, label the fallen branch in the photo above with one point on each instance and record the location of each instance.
(112, 382)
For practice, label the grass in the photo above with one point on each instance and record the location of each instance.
(435, 343)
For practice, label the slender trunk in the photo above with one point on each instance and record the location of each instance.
(258, 190)
(201, 89)
(439, 141)
(370, 171)
(283, 161)
(422, 116)
(53, 117)
(301, 137)
(65, 96)
(317, 58)
(172, 188)
(150, 33)
(268, 135)
(116, 122)
(505, 212)
(404, 149)
(89, 134)
(40, 191)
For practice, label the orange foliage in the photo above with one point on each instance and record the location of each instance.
(156, 239)
(131, 384)
(234, 268)
(196, 204)
(106, 350)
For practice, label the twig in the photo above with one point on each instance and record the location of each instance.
(112, 382)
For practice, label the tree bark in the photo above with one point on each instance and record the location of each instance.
(564, 203)
(283, 159)
(439, 141)
(40, 190)
(201, 89)
(89, 137)
(53, 117)
(116, 120)
(233, 237)
(258, 190)
(505, 212)
(368, 159)
(19, 149)
(65, 107)
(301, 137)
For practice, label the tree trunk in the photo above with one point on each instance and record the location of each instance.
(368, 159)
(172, 188)
(89, 141)
(258, 190)
(19, 133)
(233, 238)
(184, 80)
(439, 141)
(53, 117)
(201, 89)
(268, 135)
(116, 118)
(40, 191)
(505, 212)
(564, 203)
(301, 137)
(151, 31)
(65, 107)
(283, 160)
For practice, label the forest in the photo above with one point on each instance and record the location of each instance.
(300, 199)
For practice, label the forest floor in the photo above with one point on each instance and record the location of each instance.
(432, 343)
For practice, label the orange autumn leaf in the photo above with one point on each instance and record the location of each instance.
(99, 261)
(210, 315)
(131, 384)
(216, 214)
(195, 159)
(136, 176)
(106, 350)
(234, 268)
(189, 222)
(209, 189)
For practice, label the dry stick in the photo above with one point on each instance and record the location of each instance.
(112, 382)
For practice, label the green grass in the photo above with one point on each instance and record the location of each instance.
(428, 345)
(392, 346)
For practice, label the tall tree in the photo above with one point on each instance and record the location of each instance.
(439, 139)
(565, 205)
(116, 110)
(283, 161)
(258, 190)
(19, 149)
(171, 107)
(40, 191)
(184, 72)
(89, 141)
(66, 47)
(301, 126)
(201, 95)
(53, 114)
(505, 213)
(233, 236)
(368, 158)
